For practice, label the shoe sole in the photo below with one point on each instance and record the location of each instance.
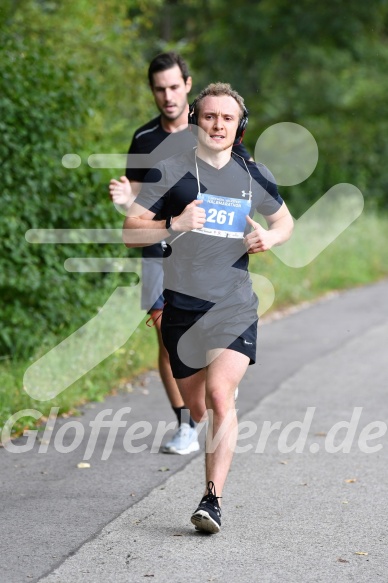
(192, 448)
(202, 521)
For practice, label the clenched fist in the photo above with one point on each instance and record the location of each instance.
(193, 217)
(120, 191)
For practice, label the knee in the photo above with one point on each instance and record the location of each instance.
(219, 402)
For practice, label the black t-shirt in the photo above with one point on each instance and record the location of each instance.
(157, 144)
(207, 266)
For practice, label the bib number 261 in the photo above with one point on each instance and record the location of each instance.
(220, 217)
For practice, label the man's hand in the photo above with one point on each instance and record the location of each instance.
(193, 217)
(259, 239)
(121, 191)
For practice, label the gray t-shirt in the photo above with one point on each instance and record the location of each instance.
(209, 266)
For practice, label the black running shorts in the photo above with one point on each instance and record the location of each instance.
(189, 335)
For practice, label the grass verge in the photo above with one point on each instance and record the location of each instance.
(113, 374)
(358, 257)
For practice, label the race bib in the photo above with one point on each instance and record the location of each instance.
(225, 216)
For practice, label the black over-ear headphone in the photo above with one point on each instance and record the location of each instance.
(241, 126)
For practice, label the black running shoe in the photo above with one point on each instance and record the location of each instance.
(207, 517)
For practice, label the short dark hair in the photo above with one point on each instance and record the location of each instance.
(165, 61)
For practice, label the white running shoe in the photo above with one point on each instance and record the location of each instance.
(184, 441)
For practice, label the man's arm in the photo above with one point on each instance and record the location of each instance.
(123, 192)
(141, 230)
(280, 226)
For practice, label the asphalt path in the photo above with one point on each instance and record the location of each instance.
(294, 508)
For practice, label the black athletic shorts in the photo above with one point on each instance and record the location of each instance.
(203, 332)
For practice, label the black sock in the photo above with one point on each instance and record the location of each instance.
(183, 416)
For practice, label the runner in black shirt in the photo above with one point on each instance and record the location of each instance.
(208, 198)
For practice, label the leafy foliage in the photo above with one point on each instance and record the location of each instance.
(73, 79)
(320, 65)
(44, 107)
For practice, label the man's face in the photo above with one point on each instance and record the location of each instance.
(218, 117)
(170, 92)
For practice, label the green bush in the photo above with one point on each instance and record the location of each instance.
(44, 106)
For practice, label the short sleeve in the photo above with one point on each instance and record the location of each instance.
(136, 174)
(270, 199)
(154, 191)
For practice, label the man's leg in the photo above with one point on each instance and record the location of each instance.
(223, 375)
(212, 389)
(185, 439)
(168, 380)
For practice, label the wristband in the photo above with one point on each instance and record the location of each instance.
(169, 225)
